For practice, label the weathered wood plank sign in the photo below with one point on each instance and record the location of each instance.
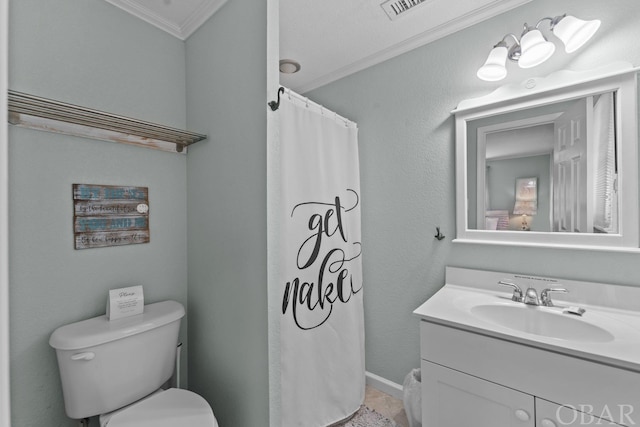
(107, 215)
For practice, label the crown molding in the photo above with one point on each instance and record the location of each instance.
(428, 36)
(181, 30)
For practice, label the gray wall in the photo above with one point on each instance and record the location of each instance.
(227, 205)
(407, 170)
(92, 54)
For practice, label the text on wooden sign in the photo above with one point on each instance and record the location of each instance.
(107, 215)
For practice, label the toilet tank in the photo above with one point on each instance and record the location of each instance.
(105, 365)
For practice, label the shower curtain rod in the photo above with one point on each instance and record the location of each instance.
(309, 103)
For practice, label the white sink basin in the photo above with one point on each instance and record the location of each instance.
(608, 332)
(541, 321)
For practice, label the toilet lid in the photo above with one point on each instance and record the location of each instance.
(171, 408)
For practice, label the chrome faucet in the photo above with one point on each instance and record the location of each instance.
(545, 298)
(531, 297)
(517, 292)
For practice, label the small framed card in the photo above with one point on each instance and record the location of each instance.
(125, 302)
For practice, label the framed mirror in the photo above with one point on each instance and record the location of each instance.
(551, 162)
(5, 407)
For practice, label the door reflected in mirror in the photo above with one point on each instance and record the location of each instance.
(551, 168)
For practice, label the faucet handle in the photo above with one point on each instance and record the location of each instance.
(545, 298)
(517, 292)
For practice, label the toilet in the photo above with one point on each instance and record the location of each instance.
(117, 370)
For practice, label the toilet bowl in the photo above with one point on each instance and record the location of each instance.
(165, 408)
(116, 369)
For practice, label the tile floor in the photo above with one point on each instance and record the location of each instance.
(386, 405)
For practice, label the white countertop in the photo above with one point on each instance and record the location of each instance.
(452, 306)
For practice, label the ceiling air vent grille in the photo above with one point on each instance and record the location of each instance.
(395, 8)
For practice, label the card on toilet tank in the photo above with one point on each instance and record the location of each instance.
(125, 302)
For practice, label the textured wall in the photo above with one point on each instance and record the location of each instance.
(92, 54)
(227, 205)
(403, 109)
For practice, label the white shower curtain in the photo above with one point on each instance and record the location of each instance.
(322, 322)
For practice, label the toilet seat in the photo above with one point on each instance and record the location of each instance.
(170, 408)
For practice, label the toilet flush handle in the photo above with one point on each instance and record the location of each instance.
(88, 355)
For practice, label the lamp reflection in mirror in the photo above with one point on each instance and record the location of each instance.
(526, 199)
(533, 48)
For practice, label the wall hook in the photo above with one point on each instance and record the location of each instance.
(439, 235)
(276, 104)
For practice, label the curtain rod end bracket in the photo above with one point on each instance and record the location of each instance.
(276, 104)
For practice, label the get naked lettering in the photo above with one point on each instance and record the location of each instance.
(325, 255)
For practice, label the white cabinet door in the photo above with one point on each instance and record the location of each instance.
(453, 399)
(549, 414)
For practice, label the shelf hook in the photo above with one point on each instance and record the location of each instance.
(439, 235)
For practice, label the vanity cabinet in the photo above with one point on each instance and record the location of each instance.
(463, 400)
(455, 399)
(471, 379)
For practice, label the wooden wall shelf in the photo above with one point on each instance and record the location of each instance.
(53, 116)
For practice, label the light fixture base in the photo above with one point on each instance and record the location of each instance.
(289, 66)
(514, 52)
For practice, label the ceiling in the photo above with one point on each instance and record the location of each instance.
(518, 142)
(332, 39)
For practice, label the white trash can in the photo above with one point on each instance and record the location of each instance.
(412, 392)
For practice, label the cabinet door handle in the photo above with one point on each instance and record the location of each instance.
(548, 423)
(522, 415)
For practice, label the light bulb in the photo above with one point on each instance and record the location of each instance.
(575, 32)
(494, 67)
(535, 49)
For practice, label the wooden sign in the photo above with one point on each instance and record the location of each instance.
(106, 215)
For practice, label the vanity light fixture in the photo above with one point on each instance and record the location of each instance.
(533, 48)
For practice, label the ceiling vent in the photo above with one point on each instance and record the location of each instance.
(396, 8)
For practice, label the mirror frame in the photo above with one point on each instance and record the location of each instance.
(558, 87)
(5, 407)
